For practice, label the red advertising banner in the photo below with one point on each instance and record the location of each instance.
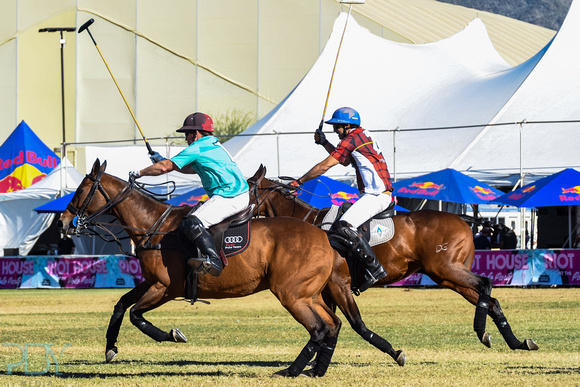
(504, 267)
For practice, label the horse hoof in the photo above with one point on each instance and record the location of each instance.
(486, 340)
(530, 345)
(401, 358)
(281, 374)
(110, 354)
(178, 336)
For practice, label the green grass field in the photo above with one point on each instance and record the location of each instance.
(244, 341)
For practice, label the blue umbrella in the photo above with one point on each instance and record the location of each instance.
(56, 205)
(559, 189)
(447, 185)
(323, 192)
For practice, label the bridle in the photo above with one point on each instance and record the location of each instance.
(83, 221)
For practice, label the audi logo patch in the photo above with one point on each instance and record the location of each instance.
(233, 239)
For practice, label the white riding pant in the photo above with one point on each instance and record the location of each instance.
(217, 208)
(366, 207)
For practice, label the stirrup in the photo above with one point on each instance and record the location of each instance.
(371, 279)
(204, 266)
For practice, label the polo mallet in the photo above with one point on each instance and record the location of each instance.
(86, 27)
(350, 2)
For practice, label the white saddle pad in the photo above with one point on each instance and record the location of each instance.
(382, 230)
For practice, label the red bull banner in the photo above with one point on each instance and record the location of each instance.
(24, 160)
(83, 272)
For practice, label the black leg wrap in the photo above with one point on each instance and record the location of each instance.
(481, 315)
(506, 331)
(149, 329)
(378, 342)
(115, 325)
(324, 356)
(302, 360)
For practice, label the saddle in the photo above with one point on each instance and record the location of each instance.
(378, 229)
(231, 236)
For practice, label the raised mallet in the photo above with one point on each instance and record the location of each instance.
(350, 2)
(86, 27)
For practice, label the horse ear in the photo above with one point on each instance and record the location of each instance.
(96, 167)
(104, 166)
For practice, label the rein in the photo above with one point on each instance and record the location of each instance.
(284, 190)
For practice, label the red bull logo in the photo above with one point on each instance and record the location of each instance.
(22, 177)
(570, 194)
(529, 189)
(427, 188)
(341, 197)
(427, 185)
(483, 193)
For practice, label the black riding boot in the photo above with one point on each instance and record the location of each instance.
(210, 262)
(374, 270)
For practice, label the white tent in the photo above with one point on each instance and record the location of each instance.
(20, 224)
(456, 87)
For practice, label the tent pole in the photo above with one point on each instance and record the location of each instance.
(569, 226)
(522, 210)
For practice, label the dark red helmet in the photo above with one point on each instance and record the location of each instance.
(197, 121)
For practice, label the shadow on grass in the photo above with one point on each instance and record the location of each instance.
(106, 371)
(539, 370)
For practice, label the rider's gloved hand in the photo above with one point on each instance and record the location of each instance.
(320, 137)
(134, 175)
(156, 157)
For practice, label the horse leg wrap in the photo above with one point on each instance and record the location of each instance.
(305, 356)
(378, 342)
(149, 329)
(115, 325)
(324, 356)
(506, 331)
(481, 315)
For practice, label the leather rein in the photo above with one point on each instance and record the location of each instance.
(284, 190)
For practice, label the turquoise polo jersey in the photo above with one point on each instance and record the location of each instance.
(219, 174)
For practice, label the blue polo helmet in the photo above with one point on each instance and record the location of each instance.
(345, 115)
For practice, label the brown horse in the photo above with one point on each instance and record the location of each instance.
(438, 244)
(290, 257)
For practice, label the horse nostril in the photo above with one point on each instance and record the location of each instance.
(59, 225)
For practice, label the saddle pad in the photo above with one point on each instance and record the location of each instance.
(236, 239)
(382, 230)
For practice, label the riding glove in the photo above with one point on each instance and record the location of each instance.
(320, 137)
(134, 175)
(156, 157)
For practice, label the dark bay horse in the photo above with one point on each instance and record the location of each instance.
(290, 257)
(435, 243)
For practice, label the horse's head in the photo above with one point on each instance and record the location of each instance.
(272, 198)
(88, 198)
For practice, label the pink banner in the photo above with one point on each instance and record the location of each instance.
(519, 268)
(69, 272)
(505, 268)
